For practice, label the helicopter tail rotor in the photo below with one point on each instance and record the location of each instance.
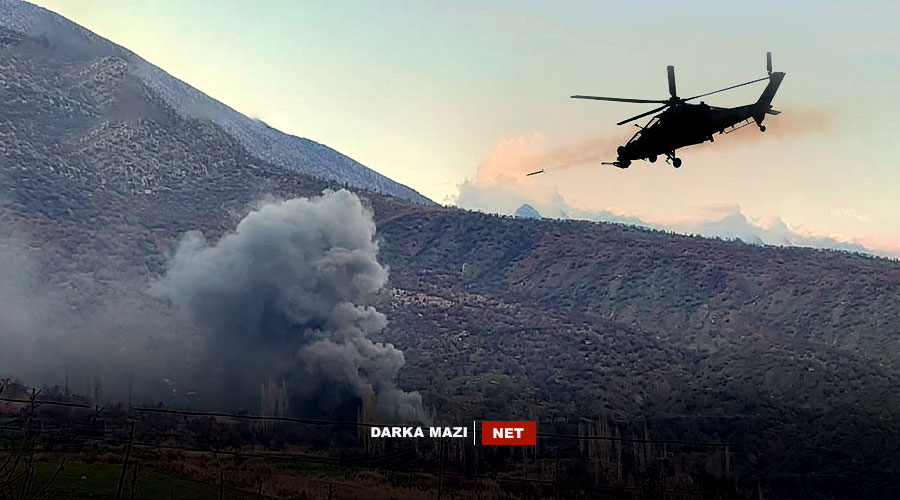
(764, 104)
(670, 71)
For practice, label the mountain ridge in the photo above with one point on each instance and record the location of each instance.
(261, 140)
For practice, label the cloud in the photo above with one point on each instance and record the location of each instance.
(500, 186)
(500, 182)
(728, 221)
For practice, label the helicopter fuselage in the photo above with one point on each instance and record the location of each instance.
(677, 127)
(687, 124)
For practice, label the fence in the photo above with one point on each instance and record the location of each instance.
(432, 467)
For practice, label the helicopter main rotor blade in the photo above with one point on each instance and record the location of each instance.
(728, 88)
(670, 71)
(664, 106)
(618, 99)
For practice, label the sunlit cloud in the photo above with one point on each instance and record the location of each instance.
(501, 186)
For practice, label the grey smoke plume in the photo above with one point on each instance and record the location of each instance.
(66, 333)
(282, 297)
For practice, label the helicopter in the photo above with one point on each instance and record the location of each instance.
(682, 124)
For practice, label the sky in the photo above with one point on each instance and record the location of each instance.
(459, 99)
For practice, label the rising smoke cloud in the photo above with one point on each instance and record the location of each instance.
(283, 298)
(280, 302)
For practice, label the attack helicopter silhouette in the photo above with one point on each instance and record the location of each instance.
(683, 124)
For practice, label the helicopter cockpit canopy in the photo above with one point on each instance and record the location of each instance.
(653, 121)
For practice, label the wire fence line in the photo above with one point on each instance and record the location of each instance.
(392, 463)
(353, 423)
(358, 465)
(195, 449)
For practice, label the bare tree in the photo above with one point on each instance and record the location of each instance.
(23, 457)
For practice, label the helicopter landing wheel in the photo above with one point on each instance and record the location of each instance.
(652, 159)
(676, 162)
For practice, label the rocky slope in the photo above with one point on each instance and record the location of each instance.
(108, 85)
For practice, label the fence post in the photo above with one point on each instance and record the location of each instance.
(556, 478)
(440, 466)
(125, 463)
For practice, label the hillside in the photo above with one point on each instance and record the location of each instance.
(789, 354)
(699, 336)
(108, 87)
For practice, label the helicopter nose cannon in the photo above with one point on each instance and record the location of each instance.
(622, 161)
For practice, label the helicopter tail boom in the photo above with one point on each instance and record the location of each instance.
(764, 105)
